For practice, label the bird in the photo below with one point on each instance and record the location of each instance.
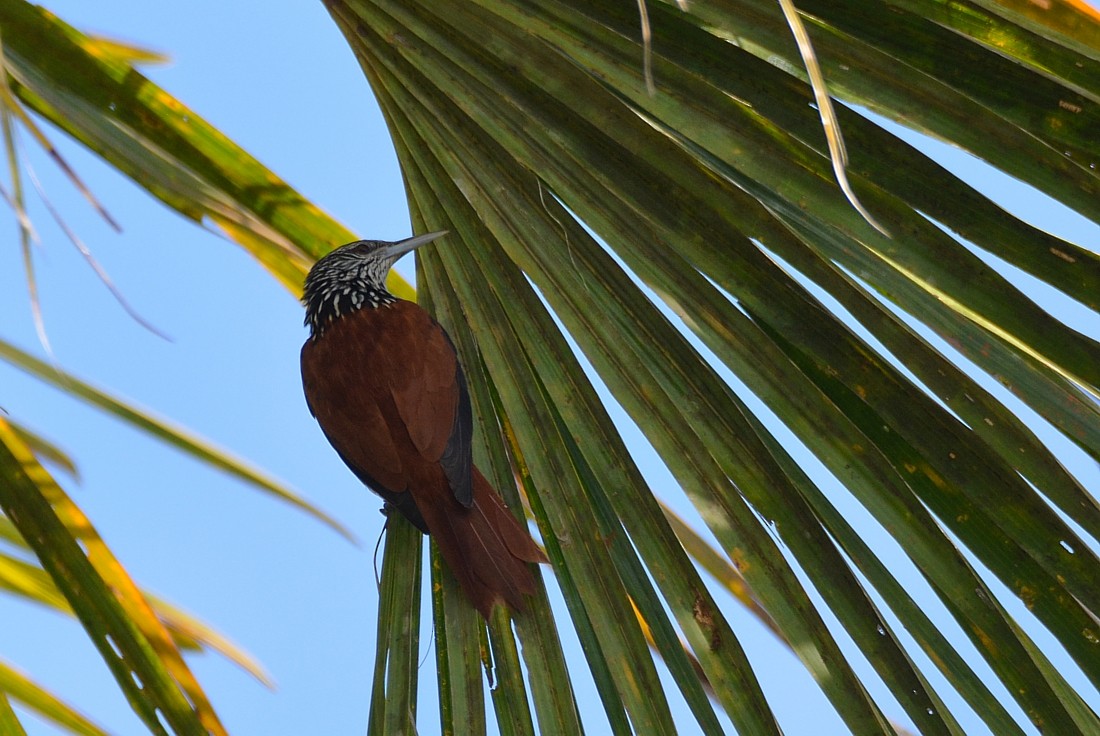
(383, 380)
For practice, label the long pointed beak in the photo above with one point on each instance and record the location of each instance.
(401, 247)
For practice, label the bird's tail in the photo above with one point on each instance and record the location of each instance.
(487, 549)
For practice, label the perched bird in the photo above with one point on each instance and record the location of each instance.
(383, 380)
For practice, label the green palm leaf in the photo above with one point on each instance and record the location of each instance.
(14, 685)
(684, 235)
(132, 640)
(507, 109)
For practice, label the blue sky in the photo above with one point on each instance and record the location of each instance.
(287, 589)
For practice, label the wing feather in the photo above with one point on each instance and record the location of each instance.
(434, 403)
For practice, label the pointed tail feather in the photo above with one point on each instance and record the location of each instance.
(487, 548)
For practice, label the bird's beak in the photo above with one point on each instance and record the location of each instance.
(401, 247)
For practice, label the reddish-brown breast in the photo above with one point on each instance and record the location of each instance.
(382, 384)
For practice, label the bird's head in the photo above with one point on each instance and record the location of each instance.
(353, 276)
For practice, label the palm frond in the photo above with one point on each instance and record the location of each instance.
(715, 211)
(15, 685)
(658, 210)
(133, 642)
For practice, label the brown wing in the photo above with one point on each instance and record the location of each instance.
(433, 401)
(386, 389)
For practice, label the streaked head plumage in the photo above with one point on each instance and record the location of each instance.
(352, 277)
